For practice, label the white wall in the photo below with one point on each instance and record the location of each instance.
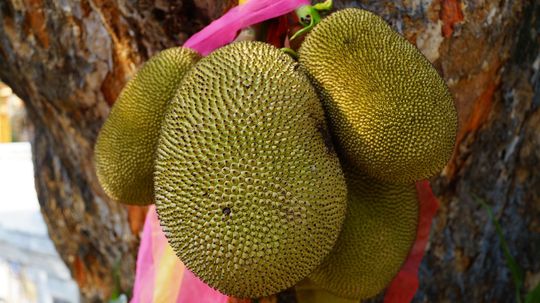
(30, 268)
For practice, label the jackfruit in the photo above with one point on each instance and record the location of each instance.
(125, 149)
(249, 190)
(308, 292)
(378, 232)
(391, 113)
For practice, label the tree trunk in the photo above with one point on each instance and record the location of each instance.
(68, 60)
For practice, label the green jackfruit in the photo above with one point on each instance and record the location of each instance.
(249, 191)
(377, 234)
(126, 145)
(392, 114)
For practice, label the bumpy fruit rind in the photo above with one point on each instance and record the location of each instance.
(249, 190)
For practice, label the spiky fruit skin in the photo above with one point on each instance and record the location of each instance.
(126, 145)
(249, 192)
(377, 235)
(392, 114)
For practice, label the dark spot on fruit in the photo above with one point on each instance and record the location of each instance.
(226, 211)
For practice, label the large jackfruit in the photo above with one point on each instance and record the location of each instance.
(126, 145)
(377, 235)
(249, 191)
(392, 114)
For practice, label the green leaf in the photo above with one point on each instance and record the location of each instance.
(534, 295)
(120, 299)
(515, 270)
(117, 296)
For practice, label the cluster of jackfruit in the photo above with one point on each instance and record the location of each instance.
(394, 122)
(255, 191)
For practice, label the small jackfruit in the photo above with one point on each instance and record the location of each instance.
(249, 191)
(392, 114)
(126, 145)
(377, 235)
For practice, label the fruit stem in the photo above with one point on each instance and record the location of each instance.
(290, 52)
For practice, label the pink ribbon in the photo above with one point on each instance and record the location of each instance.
(223, 30)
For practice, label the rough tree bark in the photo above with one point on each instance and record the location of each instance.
(68, 61)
